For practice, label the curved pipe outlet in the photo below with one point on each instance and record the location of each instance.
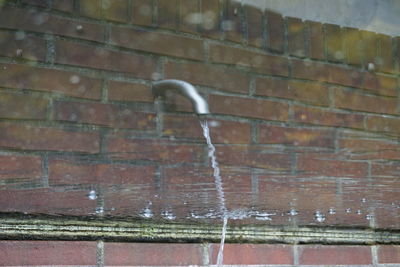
(184, 88)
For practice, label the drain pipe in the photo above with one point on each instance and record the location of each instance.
(184, 88)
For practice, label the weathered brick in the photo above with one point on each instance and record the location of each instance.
(47, 201)
(28, 47)
(116, 10)
(208, 75)
(369, 149)
(323, 164)
(353, 46)
(41, 3)
(167, 14)
(334, 43)
(221, 131)
(127, 92)
(255, 22)
(318, 71)
(316, 48)
(178, 46)
(258, 254)
(385, 170)
(385, 58)
(103, 114)
(275, 31)
(383, 124)
(90, 8)
(370, 47)
(25, 137)
(272, 87)
(69, 172)
(381, 84)
(335, 255)
(189, 16)
(261, 63)
(42, 79)
(20, 167)
(270, 134)
(210, 11)
(231, 25)
(152, 150)
(143, 254)
(389, 254)
(142, 12)
(47, 253)
(247, 107)
(62, 5)
(356, 101)
(101, 58)
(328, 118)
(253, 156)
(37, 21)
(22, 106)
(296, 37)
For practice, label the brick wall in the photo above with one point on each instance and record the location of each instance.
(305, 118)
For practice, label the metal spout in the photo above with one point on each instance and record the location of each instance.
(184, 88)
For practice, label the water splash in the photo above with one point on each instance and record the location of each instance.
(218, 185)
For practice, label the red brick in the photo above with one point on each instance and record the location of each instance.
(149, 41)
(48, 80)
(101, 58)
(37, 21)
(370, 46)
(296, 37)
(153, 150)
(275, 31)
(91, 8)
(167, 14)
(231, 25)
(188, 13)
(383, 85)
(69, 172)
(272, 87)
(25, 137)
(353, 46)
(144, 254)
(385, 170)
(370, 149)
(247, 254)
(254, 17)
(22, 106)
(247, 107)
(228, 132)
(208, 75)
(269, 134)
(116, 10)
(347, 99)
(62, 5)
(327, 118)
(383, 124)
(47, 201)
(26, 46)
(316, 48)
(318, 71)
(103, 114)
(47, 253)
(335, 255)
(257, 62)
(20, 167)
(127, 92)
(252, 156)
(210, 11)
(142, 12)
(388, 254)
(334, 43)
(323, 164)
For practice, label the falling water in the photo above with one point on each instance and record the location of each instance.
(218, 185)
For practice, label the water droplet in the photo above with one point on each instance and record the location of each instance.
(369, 217)
(348, 210)
(79, 28)
(92, 195)
(293, 212)
(74, 79)
(319, 216)
(332, 211)
(18, 52)
(99, 210)
(214, 123)
(363, 200)
(371, 66)
(168, 215)
(358, 212)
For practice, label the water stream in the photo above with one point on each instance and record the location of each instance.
(218, 186)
